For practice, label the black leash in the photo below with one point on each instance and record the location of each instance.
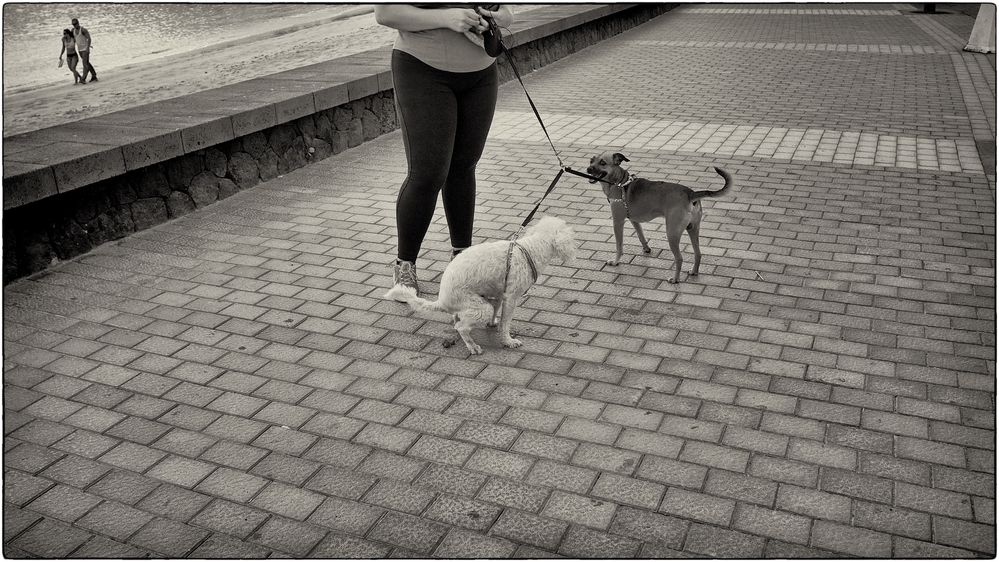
(562, 167)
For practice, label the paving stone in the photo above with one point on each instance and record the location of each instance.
(224, 546)
(167, 537)
(75, 471)
(580, 542)
(285, 535)
(229, 518)
(50, 539)
(449, 479)
(813, 503)
(399, 496)
(850, 540)
(671, 472)
(531, 529)
(21, 488)
(964, 534)
(284, 440)
(579, 509)
(384, 437)
(347, 516)
(123, 486)
(288, 501)
(628, 491)
(389, 465)
(649, 442)
(648, 526)
(336, 452)
(408, 532)
(442, 450)
(64, 503)
(513, 494)
(892, 520)
(697, 506)
(231, 484)
(782, 470)
(235, 428)
(343, 546)
(456, 511)
(712, 455)
(461, 544)
(740, 487)
(771, 523)
(722, 543)
(16, 520)
(544, 446)
(499, 463)
(180, 471)
(102, 547)
(606, 458)
(173, 502)
(113, 519)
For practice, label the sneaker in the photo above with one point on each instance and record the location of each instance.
(94, 79)
(456, 251)
(405, 274)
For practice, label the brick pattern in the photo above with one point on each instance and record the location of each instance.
(231, 384)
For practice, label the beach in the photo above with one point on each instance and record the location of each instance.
(271, 50)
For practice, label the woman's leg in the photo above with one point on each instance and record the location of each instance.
(71, 61)
(476, 103)
(427, 114)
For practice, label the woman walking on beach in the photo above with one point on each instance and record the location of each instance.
(69, 47)
(445, 92)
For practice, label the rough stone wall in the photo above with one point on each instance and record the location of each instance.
(58, 228)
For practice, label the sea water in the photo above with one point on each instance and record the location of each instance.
(125, 34)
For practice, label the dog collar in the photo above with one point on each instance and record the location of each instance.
(530, 262)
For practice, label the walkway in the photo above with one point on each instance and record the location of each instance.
(231, 383)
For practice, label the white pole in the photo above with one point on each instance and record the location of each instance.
(983, 35)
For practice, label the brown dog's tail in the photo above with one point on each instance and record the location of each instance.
(728, 185)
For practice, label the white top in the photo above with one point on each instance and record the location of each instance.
(82, 41)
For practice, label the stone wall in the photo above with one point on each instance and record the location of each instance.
(60, 227)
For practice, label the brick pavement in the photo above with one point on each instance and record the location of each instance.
(231, 383)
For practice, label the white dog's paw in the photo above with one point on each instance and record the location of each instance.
(512, 342)
(474, 348)
(611, 262)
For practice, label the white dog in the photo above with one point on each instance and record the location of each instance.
(472, 286)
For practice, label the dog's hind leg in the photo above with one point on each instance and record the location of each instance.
(476, 313)
(675, 225)
(693, 230)
(641, 237)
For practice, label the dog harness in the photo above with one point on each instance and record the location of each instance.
(530, 264)
(623, 186)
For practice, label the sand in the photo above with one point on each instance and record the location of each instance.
(217, 66)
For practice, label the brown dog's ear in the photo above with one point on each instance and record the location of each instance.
(618, 158)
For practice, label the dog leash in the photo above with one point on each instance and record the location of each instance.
(562, 167)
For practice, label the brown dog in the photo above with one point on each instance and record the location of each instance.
(641, 200)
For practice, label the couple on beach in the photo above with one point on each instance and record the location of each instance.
(76, 44)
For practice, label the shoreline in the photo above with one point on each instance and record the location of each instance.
(172, 57)
(221, 64)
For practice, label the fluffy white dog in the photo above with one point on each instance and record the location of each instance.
(472, 284)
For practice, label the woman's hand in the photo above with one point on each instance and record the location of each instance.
(503, 16)
(462, 20)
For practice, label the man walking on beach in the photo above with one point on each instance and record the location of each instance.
(83, 48)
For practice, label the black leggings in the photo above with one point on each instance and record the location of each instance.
(445, 118)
